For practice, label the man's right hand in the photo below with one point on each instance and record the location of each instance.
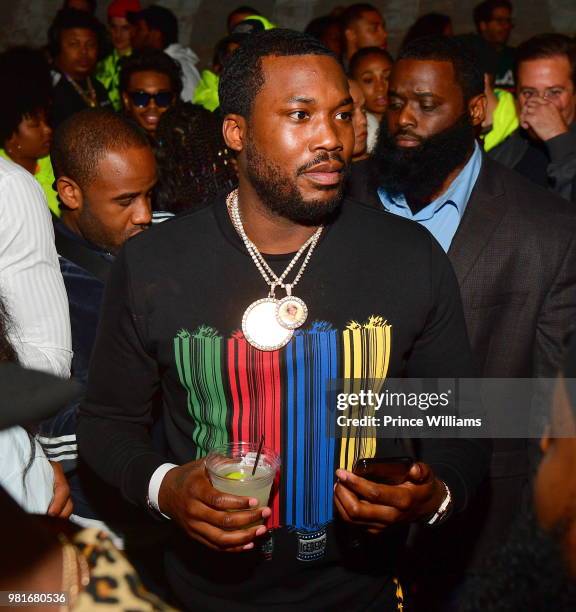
(543, 118)
(188, 497)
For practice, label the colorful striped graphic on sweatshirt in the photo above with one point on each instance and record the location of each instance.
(366, 354)
(200, 367)
(254, 380)
(236, 393)
(311, 362)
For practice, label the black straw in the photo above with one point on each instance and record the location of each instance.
(258, 455)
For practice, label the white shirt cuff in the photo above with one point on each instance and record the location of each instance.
(156, 483)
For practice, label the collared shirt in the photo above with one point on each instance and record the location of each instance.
(442, 216)
(30, 278)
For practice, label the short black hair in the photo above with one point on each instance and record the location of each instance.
(152, 60)
(222, 50)
(365, 52)
(483, 11)
(545, 46)
(426, 25)
(163, 20)
(320, 25)
(242, 77)
(354, 12)
(29, 91)
(239, 10)
(82, 140)
(447, 49)
(68, 19)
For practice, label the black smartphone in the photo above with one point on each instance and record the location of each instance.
(385, 470)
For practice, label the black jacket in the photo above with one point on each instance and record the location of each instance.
(561, 152)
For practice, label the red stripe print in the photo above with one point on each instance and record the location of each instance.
(254, 378)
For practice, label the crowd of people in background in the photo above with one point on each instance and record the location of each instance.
(115, 130)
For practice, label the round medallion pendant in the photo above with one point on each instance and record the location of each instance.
(291, 312)
(261, 327)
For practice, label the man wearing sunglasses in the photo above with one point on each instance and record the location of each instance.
(150, 83)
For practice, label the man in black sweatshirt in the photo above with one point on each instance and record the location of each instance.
(240, 317)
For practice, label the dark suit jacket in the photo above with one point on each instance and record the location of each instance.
(514, 255)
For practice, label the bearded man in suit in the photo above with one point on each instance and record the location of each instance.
(511, 243)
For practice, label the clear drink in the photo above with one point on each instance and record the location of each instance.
(238, 480)
(230, 470)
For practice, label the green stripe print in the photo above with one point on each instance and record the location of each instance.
(199, 363)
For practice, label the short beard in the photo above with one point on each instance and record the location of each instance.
(95, 232)
(279, 193)
(529, 572)
(418, 173)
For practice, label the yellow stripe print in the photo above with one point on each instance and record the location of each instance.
(366, 360)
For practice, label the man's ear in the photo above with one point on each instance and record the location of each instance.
(234, 132)
(11, 145)
(125, 100)
(477, 109)
(69, 192)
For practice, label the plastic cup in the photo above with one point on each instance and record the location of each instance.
(230, 470)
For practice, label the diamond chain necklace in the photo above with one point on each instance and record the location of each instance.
(268, 324)
(272, 280)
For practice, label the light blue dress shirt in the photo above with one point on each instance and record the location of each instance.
(442, 216)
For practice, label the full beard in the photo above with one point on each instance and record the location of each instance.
(527, 573)
(280, 194)
(419, 172)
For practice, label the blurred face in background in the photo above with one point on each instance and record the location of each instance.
(497, 30)
(143, 36)
(31, 140)
(372, 74)
(368, 31)
(548, 78)
(148, 97)
(332, 38)
(121, 34)
(78, 52)
(358, 121)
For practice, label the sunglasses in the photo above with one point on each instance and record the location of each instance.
(142, 99)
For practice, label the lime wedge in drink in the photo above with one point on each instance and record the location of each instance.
(235, 476)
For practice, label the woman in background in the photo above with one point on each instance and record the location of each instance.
(194, 164)
(370, 67)
(25, 134)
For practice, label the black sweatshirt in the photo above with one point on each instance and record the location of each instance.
(382, 301)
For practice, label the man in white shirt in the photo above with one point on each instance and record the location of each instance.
(33, 291)
(30, 278)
